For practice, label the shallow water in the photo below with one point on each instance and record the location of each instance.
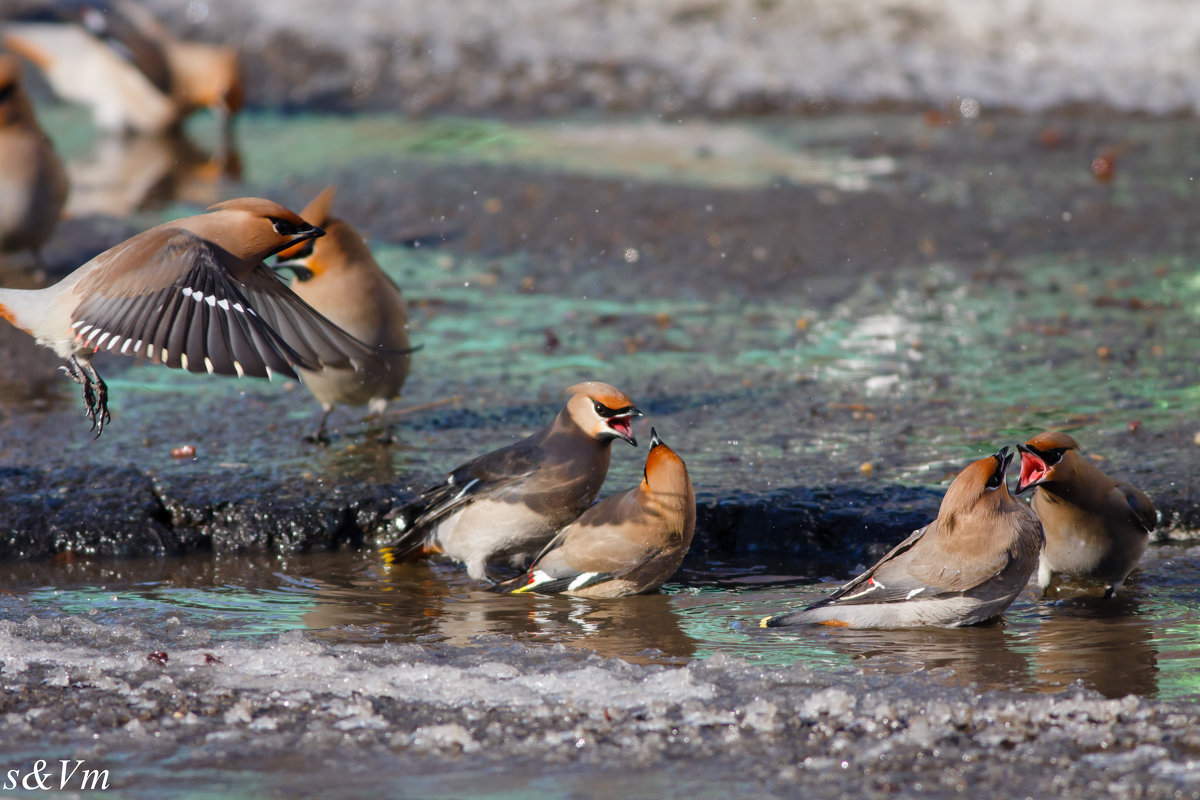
(1146, 642)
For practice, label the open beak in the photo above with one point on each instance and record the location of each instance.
(622, 426)
(1034, 469)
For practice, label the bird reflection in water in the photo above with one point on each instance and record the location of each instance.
(1103, 643)
(118, 176)
(435, 602)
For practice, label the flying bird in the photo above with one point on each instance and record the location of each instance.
(192, 294)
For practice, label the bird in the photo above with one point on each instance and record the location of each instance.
(192, 294)
(965, 567)
(507, 504)
(626, 544)
(116, 59)
(1096, 527)
(337, 275)
(33, 180)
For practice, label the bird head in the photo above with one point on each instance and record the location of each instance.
(982, 482)
(302, 258)
(602, 411)
(342, 248)
(665, 473)
(251, 228)
(1039, 457)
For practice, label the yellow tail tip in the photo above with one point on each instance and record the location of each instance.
(523, 590)
(762, 623)
(388, 555)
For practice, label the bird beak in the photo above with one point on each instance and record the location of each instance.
(654, 440)
(622, 426)
(289, 249)
(298, 268)
(1034, 469)
(313, 232)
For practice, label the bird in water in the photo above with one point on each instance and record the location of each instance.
(965, 567)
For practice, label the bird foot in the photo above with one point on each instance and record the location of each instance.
(319, 437)
(95, 393)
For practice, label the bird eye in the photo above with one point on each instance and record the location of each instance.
(995, 481)
(7, 91)
(600, 408)
(285, 228)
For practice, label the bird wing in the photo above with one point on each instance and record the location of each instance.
(304, 328)
(179, 305)
(895, 580)
(586, 552)
(479, 477)
(1141, 505)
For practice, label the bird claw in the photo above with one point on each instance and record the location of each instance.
(95, 393)
(319, 437)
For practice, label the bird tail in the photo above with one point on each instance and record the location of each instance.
(410, 542)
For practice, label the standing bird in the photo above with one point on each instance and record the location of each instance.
(116, 59)
(626, 544)
(965, 567)
(33, 181)
(1095, 526)
(194, 294)
(338, 276)
(510, 503)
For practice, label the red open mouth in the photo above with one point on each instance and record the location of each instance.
(623, 427)
(1033, 470)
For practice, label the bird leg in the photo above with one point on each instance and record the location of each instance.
(95, 392)
(320, 435)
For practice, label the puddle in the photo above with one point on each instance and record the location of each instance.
(1147, 642)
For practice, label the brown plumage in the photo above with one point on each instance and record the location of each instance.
(338, 276)
(33, 182)
(509, 503)
(626, 544)
(193, 293)
(119, 61)
(1096, 527)
(965, 567)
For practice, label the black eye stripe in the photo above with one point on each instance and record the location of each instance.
(7, 91)
(608, 413)
(1051, 457)
(285, 228)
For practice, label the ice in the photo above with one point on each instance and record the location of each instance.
(441, 737)
(295, 702)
